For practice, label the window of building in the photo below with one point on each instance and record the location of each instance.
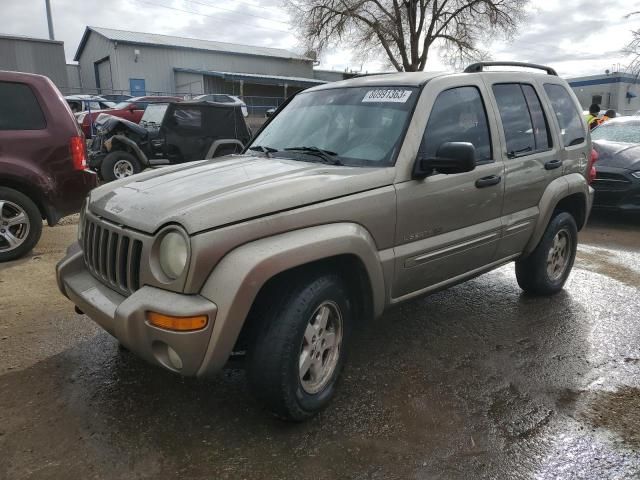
(19, 108)
(458, 115)
(597, 99)
(571, 127)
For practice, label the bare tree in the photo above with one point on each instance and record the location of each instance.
(633, 49)
(406, 30)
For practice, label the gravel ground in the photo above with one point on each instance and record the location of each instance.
(478, 381)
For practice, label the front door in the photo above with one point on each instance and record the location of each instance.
(449, 225)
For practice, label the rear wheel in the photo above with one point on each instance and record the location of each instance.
(20, 224)
(297, 357)
(118, 165)
(546, 269)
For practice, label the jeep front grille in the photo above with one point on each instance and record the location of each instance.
(112, 256)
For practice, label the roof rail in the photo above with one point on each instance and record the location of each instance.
(479, 67)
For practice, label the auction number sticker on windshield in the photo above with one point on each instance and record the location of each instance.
(393, 95)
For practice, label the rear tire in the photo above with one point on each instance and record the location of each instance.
(20, 224)
(546, 269)
(119, 164)
(298, 353)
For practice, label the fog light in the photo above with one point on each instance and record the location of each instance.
(178, 324)
(174, 358)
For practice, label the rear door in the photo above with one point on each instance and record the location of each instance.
(184, 134)
(449, 226)
(532, 158)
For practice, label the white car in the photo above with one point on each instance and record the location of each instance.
(83, 103)
(223, 98)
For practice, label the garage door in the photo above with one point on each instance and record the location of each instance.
(103, 76)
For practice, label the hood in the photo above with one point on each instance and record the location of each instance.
(106, 123)
(212, 193)
(618, 155)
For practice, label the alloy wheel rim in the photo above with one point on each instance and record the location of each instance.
(14, 226)
(122, 169)
(558, 256)
(320, 349)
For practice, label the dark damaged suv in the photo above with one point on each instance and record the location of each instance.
(42, 161)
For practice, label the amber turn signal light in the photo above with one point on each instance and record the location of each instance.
(178, 324)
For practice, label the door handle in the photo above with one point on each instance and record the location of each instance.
(551, 164)
(488, 181)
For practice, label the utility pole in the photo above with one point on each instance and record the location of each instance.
(49, 19)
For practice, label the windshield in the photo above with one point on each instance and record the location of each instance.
(623, 132)
(154, 113)
(361, 126)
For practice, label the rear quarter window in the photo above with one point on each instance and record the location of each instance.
(571, 129)
(19, 108)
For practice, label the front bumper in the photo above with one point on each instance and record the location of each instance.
(125, 317)
(616, 188)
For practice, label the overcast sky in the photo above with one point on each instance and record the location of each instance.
(577, 37)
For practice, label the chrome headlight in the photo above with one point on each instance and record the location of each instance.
(173, 253)
(636, 174)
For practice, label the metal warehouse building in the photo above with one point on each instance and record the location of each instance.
(619, 91)
(145, 63)
(34, 55)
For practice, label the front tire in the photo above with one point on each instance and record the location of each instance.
(299, 352)
(20, 224)
(119, 164)
(546, 269)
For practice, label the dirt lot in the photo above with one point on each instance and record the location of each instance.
(479, 381)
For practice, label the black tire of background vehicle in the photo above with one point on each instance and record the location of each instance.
(531, 271)
(35, 223)
(109, 161)
(273, 359)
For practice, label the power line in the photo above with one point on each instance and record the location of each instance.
(212, 16)
(237, 12)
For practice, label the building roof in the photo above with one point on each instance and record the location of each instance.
(257, 78)
(29, 39)
(153, 39)
(616, 77)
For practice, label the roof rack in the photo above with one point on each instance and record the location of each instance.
(479, 67)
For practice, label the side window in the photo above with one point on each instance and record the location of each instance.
(188, 117)
(516, 121)
(140, 105)
(19, 108)
(571, 128)
(458, 115)
(541, 133)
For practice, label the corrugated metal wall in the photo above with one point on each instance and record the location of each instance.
(33, 56)
(96, 49)
(156, 64)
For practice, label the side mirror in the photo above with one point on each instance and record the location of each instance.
(451, 157)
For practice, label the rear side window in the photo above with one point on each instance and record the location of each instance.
(516, 121)
(188, 117)
(19, 108)
(571, 128)
(458, 115)
(541, 133)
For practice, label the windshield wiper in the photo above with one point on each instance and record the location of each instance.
(327, 155)
(266, 150)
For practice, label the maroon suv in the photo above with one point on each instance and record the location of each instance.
(42, 161)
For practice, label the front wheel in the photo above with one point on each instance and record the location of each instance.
(118, 165)
(297, 356)
(546, 269)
